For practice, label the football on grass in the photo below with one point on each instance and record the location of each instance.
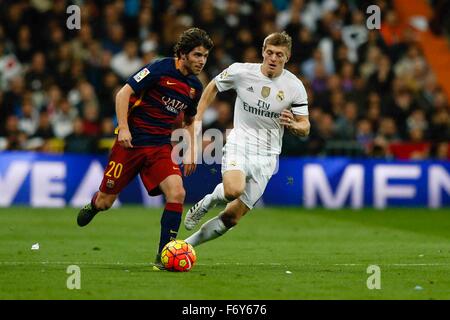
(178, 255)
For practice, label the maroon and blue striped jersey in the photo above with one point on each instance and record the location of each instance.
(161, 93)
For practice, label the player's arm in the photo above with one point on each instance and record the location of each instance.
(194, 128)
(297, 124)
(122, 100)
(208, 96)
(296, 118)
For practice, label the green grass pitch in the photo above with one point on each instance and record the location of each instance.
(274, 253)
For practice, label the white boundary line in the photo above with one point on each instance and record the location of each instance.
(16, 263)
(13, 263)
(393, 264)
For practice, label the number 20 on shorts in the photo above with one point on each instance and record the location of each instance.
(115, 169)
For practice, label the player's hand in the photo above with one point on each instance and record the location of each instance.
(287, 119)
(189, 164)
(189, 168)
(125, 138)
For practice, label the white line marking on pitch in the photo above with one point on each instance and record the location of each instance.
(125, 263)
(216, 264)
(393, 264)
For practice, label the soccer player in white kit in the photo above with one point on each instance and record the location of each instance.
(269, 99)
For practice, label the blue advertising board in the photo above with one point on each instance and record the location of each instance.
(57, 180)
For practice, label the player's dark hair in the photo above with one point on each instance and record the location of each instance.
(278, 39)
(190, 39)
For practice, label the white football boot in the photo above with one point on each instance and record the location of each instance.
(195, 214)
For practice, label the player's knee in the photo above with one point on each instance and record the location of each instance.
(229, 220)
(176, 194)
(232, 193)
(180, 194)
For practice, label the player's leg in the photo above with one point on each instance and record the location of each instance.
(231, 188)
(233, 177)
(259, 176)
(99, 202)
(220, 224)
(162, 175)
(173, 190)
(123, 165)
(104, 201)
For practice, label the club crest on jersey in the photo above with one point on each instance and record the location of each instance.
(265, 91)
(224, 74)
(192, 93)
(280, 96)
(110, 183)
(141, 75)
(232, 163)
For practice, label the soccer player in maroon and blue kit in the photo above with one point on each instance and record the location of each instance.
(147, 108)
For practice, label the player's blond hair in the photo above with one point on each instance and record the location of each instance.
(279, 39)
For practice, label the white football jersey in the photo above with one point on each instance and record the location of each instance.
(259, 103)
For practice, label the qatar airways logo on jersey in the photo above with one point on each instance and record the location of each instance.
(173, 105)
(262, 110)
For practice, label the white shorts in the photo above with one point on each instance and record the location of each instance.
(258, 170)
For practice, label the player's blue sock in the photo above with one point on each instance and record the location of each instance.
(170, 223)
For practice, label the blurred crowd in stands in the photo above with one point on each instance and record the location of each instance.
(371, 92)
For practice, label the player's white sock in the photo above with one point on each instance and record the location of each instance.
(215, 198)
(210, 230)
